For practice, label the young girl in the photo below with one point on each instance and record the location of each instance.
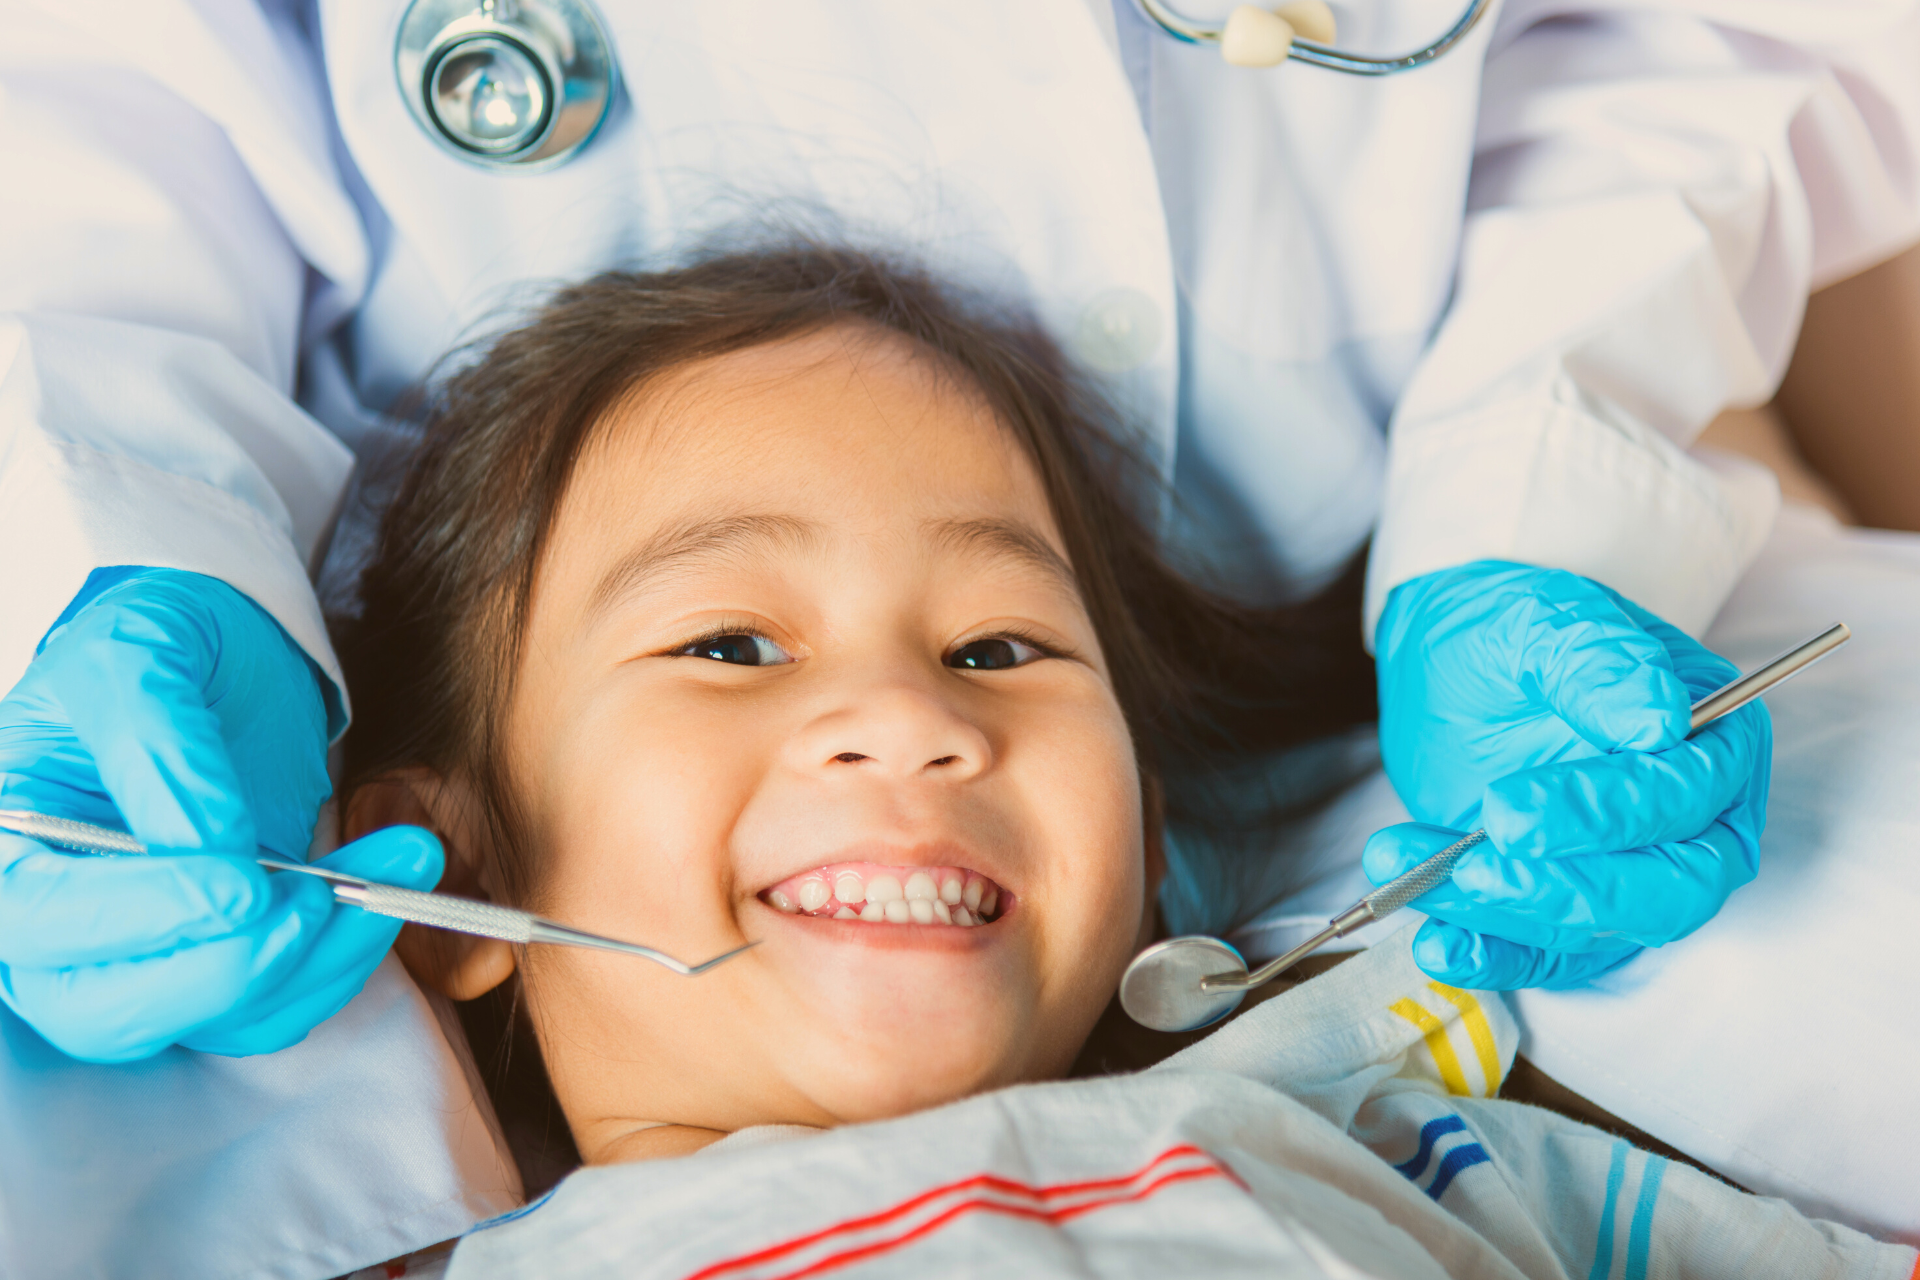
(784, 599)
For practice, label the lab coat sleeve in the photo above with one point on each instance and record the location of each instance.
(170, 216)
(1655, 191)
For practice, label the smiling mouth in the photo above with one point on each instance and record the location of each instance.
(879, 894)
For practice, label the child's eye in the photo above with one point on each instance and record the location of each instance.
(741, 648)
(995, 653)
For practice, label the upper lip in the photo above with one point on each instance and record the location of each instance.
(927, 853)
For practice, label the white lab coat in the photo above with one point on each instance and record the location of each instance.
(1477, 310)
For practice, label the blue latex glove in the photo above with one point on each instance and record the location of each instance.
(1553, 712)
(173, 705)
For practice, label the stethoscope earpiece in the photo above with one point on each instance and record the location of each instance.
(508, 84)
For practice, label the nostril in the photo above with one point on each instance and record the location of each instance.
(943, 760)
(849, 757)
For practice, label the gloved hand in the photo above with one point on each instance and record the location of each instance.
(173, 705)
(1554, 712)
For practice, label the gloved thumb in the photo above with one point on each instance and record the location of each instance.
(1611, 681)
(1396, 850)
(408, 857)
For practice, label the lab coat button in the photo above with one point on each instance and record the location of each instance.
(1119, 330)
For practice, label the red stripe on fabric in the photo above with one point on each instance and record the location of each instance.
(1916, 1266)
(946, 1216)
(983, 1180)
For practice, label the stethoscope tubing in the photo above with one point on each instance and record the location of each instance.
(1187, 31)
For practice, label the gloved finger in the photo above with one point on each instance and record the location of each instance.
(1647, 896)
(1625, 800)
(1698, 667)
(128, 672)
(1393, 851)
(132, 1009)
(350, 947)
(60, 909)
(281, 1029)
(1611, 681)
(1396, 850)
(323, 986)
(1463, 958)
(410, 857)
(56, 786)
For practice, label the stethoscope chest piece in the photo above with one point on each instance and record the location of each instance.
(508, 84)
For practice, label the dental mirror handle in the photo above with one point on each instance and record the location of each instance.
(1434, 871)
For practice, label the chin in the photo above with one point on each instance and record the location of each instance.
(876, 1072)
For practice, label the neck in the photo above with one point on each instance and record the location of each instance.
(654, 1141)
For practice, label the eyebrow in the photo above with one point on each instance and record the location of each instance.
(694, 542)
(1006, 540)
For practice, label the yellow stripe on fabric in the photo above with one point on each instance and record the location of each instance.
(1478, 1030)
(1437, 1044)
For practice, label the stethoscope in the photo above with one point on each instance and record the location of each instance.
(1303, 31)
(521, 85)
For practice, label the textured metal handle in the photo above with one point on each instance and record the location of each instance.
(460, 914)
(1402, 889)
(81, 837)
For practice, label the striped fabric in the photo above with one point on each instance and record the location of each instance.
(1458, 1157)
(1275, 1147)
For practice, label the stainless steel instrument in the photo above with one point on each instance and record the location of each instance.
(438, 910)
(1183, 984)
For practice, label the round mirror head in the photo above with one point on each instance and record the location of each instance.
(489, 95)
(1161, 988)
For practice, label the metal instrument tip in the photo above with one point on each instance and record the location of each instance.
(698, 969)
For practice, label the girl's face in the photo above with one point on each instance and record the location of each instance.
(806, 666)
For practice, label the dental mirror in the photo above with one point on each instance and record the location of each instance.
(1163, 988)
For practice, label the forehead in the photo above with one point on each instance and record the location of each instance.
(850, 430)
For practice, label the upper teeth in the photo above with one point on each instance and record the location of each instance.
(918, 895)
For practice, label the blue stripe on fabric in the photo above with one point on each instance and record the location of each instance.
(1464, 1156)
(1603, 1247)
(1640, 1235)
(500, 1220)
(1430, 1132)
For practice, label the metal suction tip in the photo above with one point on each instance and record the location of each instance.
(1161, 989)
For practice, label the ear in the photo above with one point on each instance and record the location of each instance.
(457, 965)
(1153, 812)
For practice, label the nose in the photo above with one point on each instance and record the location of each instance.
(898, 731)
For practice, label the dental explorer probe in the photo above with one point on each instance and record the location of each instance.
(1183, 984)
(438, 910)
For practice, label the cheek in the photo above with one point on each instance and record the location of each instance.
(1083, 792)
(641, 792)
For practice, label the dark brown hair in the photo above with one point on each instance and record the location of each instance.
(430, 657)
